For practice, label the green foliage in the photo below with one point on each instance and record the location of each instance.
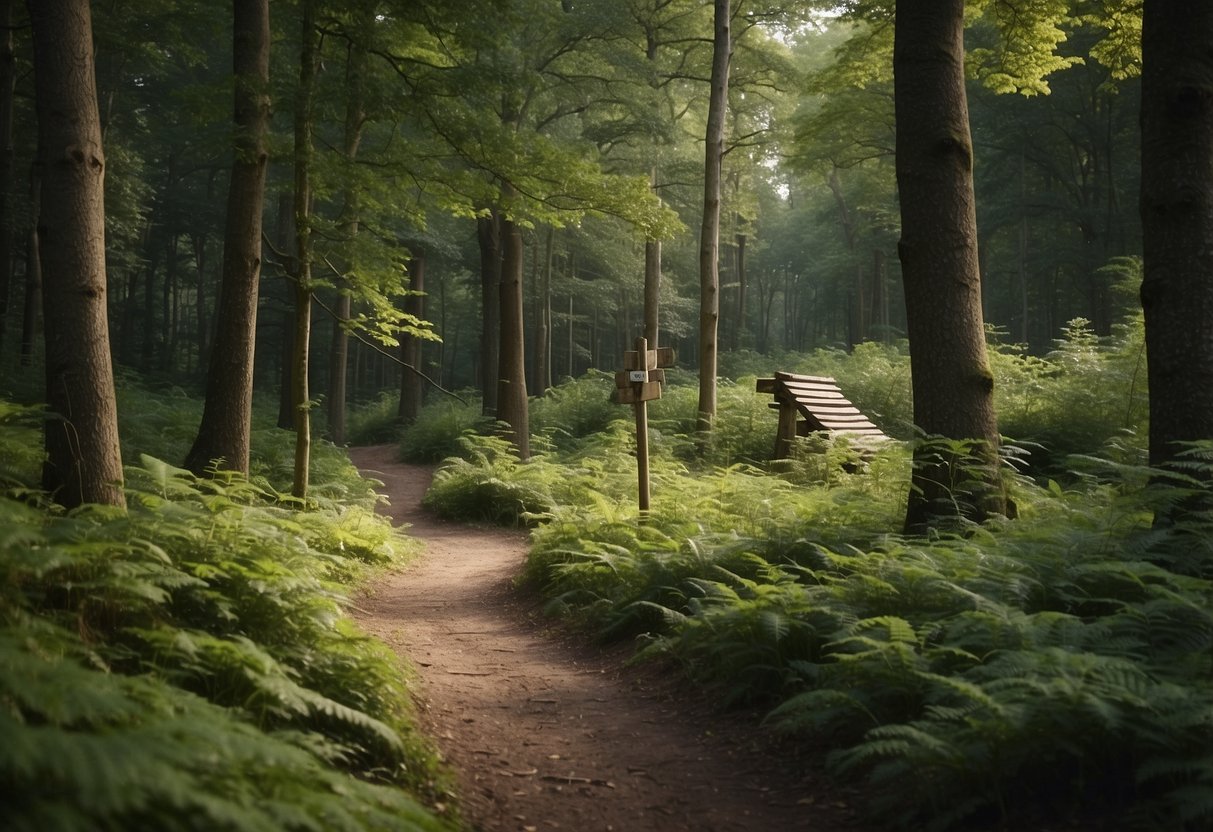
(376, 422)
(438, 430)
(1046, 656)
(576, 409)
(1077, 399)
(187, 665)
(490, 483)
(1028, 36)
(21, 452)
(1064, 654)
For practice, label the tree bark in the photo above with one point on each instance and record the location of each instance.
(652, 291)
(511, 386)
(33, 278)
(952, 385)
(7, 83)
(202, 333)
(84, 461)
(709, 236)
(304, 102)
(543, 334)
(411, 386)
(224, 432)
(1177, 223)
(284, 241)
(742, 291)
(488, 233)
(355, 118)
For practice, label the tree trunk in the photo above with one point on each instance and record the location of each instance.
(227, 413)
(511, 387)
(488, 232)
(952, 384)
(304, 101)
(33, 279)
(411, 387)
(1177, 223)
(84, 461)
(7, 82)
(652, 261)
(742, 289)
(202, 333)
(709, 236)
(543, 334)
(284, 241)
(355, 118)
(147, 351)
(652, 292)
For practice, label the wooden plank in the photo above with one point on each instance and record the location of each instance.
(765, 385)
(631, 360)
(782, 376)
(825, 404)
(808, 381)
(841, 418)
(812, 390)
(665, 356)
(636, 393)
(851, 428)
(819, 395)
(837, 411)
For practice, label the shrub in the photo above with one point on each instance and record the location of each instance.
(439, 428)
(186, 664)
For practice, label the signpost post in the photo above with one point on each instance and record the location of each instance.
(638, 384)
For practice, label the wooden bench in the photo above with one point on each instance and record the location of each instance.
(814, 404)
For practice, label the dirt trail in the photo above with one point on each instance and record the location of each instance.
(545, 733)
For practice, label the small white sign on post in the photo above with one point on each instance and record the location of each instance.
(638, 383)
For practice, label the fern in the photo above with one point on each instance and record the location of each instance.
(187, 665)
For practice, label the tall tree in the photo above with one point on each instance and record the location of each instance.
(224, 432)
(1177, 222)
(709, 235)
(952, 385)
(304, 121)
(411, 383)
(488, 235)
(84, 462)
(512, 407)
(355, 121)
(8, 77)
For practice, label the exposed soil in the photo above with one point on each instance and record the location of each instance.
(544, 732)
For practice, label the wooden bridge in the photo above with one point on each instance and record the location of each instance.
(814, 404)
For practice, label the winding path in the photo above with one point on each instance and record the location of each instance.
(546, 734)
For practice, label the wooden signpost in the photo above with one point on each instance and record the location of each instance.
(639, 383)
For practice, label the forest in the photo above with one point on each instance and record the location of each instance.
(237, 241)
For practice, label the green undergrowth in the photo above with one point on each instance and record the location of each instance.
(187, 664)
(436, 433)
(1058, 663)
